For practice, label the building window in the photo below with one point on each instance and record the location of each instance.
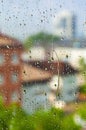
(14, 97)
(1, 79)
(14, 77)
(15, 59)
(1, 59)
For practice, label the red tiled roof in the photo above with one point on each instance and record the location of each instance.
(7, 40)
(54, 67)
(33, 74)
(37, 71)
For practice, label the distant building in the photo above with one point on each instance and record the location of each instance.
(65, 25)
(10, 69)
(40, 84)
(34, 53)
(63, 51)
(70, 55)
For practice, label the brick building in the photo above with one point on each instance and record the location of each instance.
(10, 69)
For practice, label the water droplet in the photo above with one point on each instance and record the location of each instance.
(7, 46)
(45, 68)
(41, 21)
(24, 91)
(45, 94)
(66, 56)
(62, 38)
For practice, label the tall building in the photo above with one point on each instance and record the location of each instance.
(65, 25)
(10, 69)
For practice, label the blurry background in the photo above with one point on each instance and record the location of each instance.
(42, 64)
(53, 35)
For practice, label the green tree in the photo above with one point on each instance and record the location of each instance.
(41, 38)
(82, 88)
(15, 118)
(68, 123)
(83, 67)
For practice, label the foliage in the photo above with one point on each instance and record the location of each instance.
(55, 119)
(69, 124)
(50, 120)
(19, 119)
(41, 38)
(82, 111)
(83, 67)
(82, 89)
(15, 118)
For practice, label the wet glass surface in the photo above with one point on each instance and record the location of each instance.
(42, 65)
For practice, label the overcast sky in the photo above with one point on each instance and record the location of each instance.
(21, 18)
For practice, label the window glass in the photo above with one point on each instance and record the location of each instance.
(1, 79)
(14, 97)
(2, 59)
(43, 64)
(14, 59)
(14, 77)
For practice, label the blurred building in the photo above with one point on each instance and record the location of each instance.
(70, 55)
(59, 52)
(35, 53)
(65, 25)
(43, 79)
(10, 69)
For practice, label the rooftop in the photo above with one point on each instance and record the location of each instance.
(33, 74)
(7, 40)
(40, 71)
(54, 67)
